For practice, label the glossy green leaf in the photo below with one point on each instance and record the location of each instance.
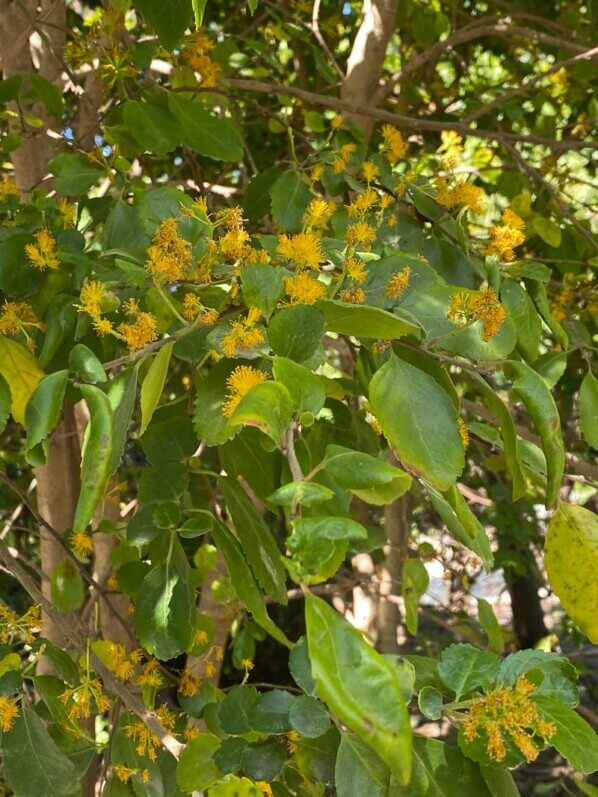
(43, 413)
(123, 230)
(290, 196)
(463, 668)
(268, 407)
(209, 135)
(96, 456)
(306, 388)
(419, 419)
(370, 478)
(529, 387)
(270, 712)
(73, 173)
(574, 738)
(462, 523)
(537, 291)
(588, 409)
(527, 321)
(244, 581)
(558, 674)
(33, 763)
(122, 392)
(571, 559)
(66, 587)
(301, 494)
(359, 686)
(199, 7)
(263, 286)
(491, 626)
(153, 126)
(196, 769)
(153, 385)
(319, 544)
(548, 230)
(365, 322)
(296, 332)
(5, 402)
(233, 786)
(21, 373)
(415, 583)
(165, 610)
(86, 365)
(429, 702)
(256, 539)
(440, 770)
(211, 424)
(359, 770)
(499, 781)
(308, 716)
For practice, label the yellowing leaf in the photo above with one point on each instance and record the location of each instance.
(571, 558)
(21, 372)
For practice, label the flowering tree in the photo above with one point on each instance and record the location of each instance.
(295, 300)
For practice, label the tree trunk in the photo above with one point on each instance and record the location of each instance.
(528, 617)
(397, 518)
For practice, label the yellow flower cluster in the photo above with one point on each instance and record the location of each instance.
(8, 188)
(353, 295)
(398, 283)
(142, 330)
(193, 310)
(362, 203)
(169, 256)
(461, 195)
(68, 213)
(463, 432)
(188, 683)
(146, 740)
(450, 148)
(506, 237)
(239, 383)
(150, 674)
(361, 234)
(304, 249)
(42, 253)
(12, 625)
(355, 269)
(9, 711)
(81, 543)
(83, 697)
(508, 714)
(243, 335)
(304, 289)
(121, 662)
(339, 164)
(394, 147)
(265, 787)
(18, 317)
(370, 171)
(92, 295)
(318, 213)
(482, 306)
(196, 55)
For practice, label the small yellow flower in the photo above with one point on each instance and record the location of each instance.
(362, 203)
(123, 773)
(370, 171)
(463, 433)
(486, 308)
(188, 683)
(356, 269)
(18, 317)
(209, 669)
(68, 213)
(103, 326)
(121, 662)
(241, 338)
(319, 212)
(81, 543)
(150, 674)
(304, 249)
(201, 637)
(247, 664)
(218, 653)
(8, 188)
(316, 172)
(304, 289)
(506, 237)
(264, 785)
(231, 218)
(233, 244)
(169, 256)
(394, 148)
(352, 295)
(91, 297)
(292, 739)
(361, 233)
(43, 252)
(9, 711)
(239, 383)
(398, 283)
(336, 122)
(142, 331)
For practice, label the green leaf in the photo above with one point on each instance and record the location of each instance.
(256, 196)
(270, 713)
(499, 780)
(429, 701)
(208, 135)
(96, 456)
(441, 771)
(233, 711)
(537, 290)
(268, 407)
(121, 395)
(359, 685)
(290, 196)
(172, 440)
(199, 7)
(21, 373)
(5, 401)
(419, 419)
(154, 127)
(508, 433)
(244, 581)
(308, 716)
(153, 385)
(462, 523)
(415, 583)
(571, 560)
(211, 424)
(49, 93)
(558, 674)
(73, 173)
(588, 409)
(306, 388)
(263, 286)
(86, 364)
(574, 738)
(319, 544)
(123, 230)
(66, 586)
(196, 769)
(264, 760)
(296, 332)
(33, 764)
(43, 413)
(232, 786)
(371, 479)
(256, 540)
(359, 770)
(165, 611)
(168, 20)
(364, 321)
(548, 230)
(463, 668)
(521, 309)
(301, 493)
(491, 626)
(529, 387)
